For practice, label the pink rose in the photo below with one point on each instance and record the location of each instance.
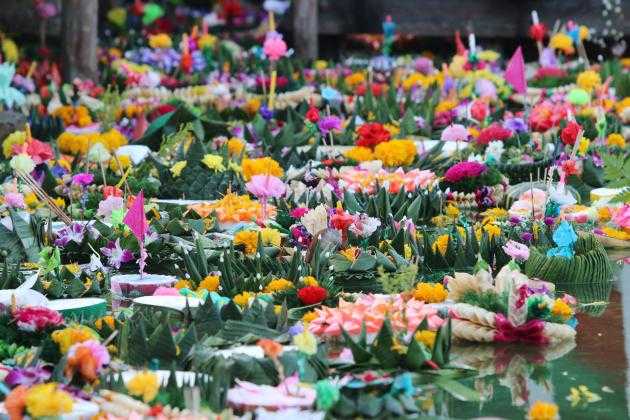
(274, 46)
(463, 170)
(36, 318)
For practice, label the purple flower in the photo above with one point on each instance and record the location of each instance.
(549, 221)
(296, 329)
(597, 160)
(116, 255)
(328, 124)
(527, 236)
(74, 233)
(420, 122)
(83, 179)
(518, 251)
(266, 113)
(27, 376)
(516, 125)
(515, 220)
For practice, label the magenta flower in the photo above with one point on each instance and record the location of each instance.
(274, 46)
(36, 318)
(516, 250)
(14, 200)
(328, 124)
(83, 179)
(454, 132)
(464, 170)
(116, 255)
(73, 233)
(100, 355)
(298, 212)
(28, 376)
(266, 186)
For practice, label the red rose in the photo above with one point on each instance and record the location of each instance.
(311, 295)
(312, 114)
(371, 134)
(570, 132)
(479, 110)
(492, 133)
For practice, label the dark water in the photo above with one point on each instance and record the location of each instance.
(511, 379)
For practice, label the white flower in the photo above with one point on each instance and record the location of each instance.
(364, 225)
(22, 163)
(316, 220)
(98, 153)
(495, 150)
(475, 158)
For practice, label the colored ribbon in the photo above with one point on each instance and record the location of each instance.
(532, 332)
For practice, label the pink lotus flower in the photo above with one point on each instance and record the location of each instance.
(274, 46)
(463, 170)
(265, 186)
(36, 318)
(518, 251)
(454, 132)
(621, 217)
(14, 200)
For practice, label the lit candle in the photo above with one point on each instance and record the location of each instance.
(535, 17)
(472, 44)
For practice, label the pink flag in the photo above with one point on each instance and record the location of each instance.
(137, 222)
(515, 72)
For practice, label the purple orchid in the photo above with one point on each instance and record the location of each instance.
(73, 233)
(27, 376)
(116, 255)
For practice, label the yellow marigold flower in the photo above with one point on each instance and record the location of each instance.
(15, 138)
(242, 299)
(107, 320)
(541, 410)
(355, 79)
(445, 105)
(441, 244)
(178, 167)
(396, 152)
(350, 253)
(278, 285)
(430, 292)
(562, 42)
(309, 316)
(261, 166)
(359, 154)
(310, 281)
(160, 41)
(393, 130)
(209, 283)
(426, 337)
(252, 106)
(182, 284)
(71, 335)
(47, 400)
(451, 211)
(616, 140)
(144, 384)
(492, 230)
(30, 199)
(583, 146)
(119, 164)
(206, 41)
(213, 162)
(603, 214)
(589, 80)
(270, 237)
(235, 146)
(248, 239)
(561, 309)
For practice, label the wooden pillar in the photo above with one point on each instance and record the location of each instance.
(306, 29)
(79, 33)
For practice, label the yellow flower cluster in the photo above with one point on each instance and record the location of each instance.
(430, 292)
(213, 162)
(359, 154)
(178, 167)
(120, 163)
(396, 152)
(613, 140)
(242, 299)
(72, 115)
(309, 316)
(47, 400)
(445, 105)
(235, 146)
(261, 166)
(310, 281)
(144, 384)
(541, 410)
(589, 80)
(15, 138)
(107, 320)
(421, 80)
(616, 233)
(278, 285)
(71, 335)
(491, 215)
(355, 79)
(210, 283)
(426, 337)
(160, 41)
(441, 244)
(562, 42)
(583, 146)
(249, 239)
(492, 230)
(79, 144)
(182, 284)
(561, 309)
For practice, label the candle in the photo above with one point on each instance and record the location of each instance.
(535, 17)
(472, 44)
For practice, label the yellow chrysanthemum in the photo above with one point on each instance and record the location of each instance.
(248, 239)
(252, 106)
(396, 152)
(561, 309)
(278, 285)
(210, 283)
(583, 146)
(616, 140)
(119, 164)
(426, 337)
(430, 292)
(242, 299)
(178, 167)
(350, 253)
(47, 400)
(355, 79)
(270, 237)
(144, 384)
(359, 154)
(309, 316)
(562, 42)
(261, 166)
(589, 80)
(451, 211)
(310, 281)
(235, 146)
(10, 50)
(71, 335)
(160, 41)
(320, 64)
(541, 410)
(603, 214)
(493, 231)
(445, 105)
(182, 284)
(441, 244)
(15, 138)
(31, 201)
(213, 162)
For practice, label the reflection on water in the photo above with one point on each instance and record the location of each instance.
(512, 378)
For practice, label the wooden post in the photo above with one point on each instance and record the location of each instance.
(79, 33)
(306, 29)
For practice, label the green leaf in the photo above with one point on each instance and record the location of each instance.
(360, 354)
(161, 343)
(369, 405)
(458, 390)
(26, 235)
(382, 347)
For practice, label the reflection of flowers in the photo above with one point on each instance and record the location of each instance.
(543, 411)
(582, 396)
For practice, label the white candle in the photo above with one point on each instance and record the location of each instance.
(535, 17)
(472, 44)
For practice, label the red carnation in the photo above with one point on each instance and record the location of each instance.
(371, 134)
(537, 32)
(492, 133)
(479, 110)
(312, 295)
(570, 132)
(312, 114)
